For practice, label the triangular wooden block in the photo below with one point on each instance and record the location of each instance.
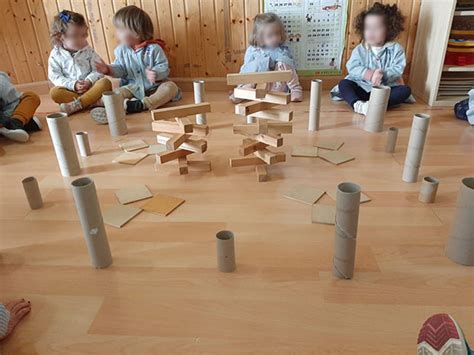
(306, 194)
(305, 151)
(162, 204)
(330, 145)
(130, 158)
(363, 197)
(119, 215)
(335, 156)
(133, 145)
(325, 214)
(132, 194)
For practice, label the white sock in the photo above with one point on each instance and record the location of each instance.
(361, 107)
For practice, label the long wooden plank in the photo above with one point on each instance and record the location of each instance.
(193, 145)
(271, 140)
(165, 157)
(247, 108)
(267, 156)
(273, 97)
(249, 146)
(167, 127)
(274, 114)
(180, 111)
(258, 78)
(176, 140)
(253, 160)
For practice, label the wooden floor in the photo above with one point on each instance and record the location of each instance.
(163, 293)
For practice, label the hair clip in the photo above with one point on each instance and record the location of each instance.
(64, 16)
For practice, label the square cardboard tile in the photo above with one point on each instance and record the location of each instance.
(363, 197)
(132, 194)
(305, 151)
(325, 214)
(155, 149)
(162, 204)
(130, 146)
(335, 156)
(130, 158)
(329, 145)
(306, 194)
(119, 215)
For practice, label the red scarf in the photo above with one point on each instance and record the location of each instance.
(159, 42)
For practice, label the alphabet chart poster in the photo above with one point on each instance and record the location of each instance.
(316, 31)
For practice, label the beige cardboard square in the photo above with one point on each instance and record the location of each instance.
(162, 204)
(335, 156)
(136, 144)
(329, 145)
(132, 194)
(119, 215)
(130, 158)
(325, 214)
(305, 151)
(306, 194)
(363, 197)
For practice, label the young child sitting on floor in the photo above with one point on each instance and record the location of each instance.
(71, 65)
(17, 111)
(376, 61)
(268, 52)
(140, 62)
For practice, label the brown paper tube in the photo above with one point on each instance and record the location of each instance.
(32, 192)
(63, 144)
(347, 219)
(199, 93)
(314, 104)
(416, 143)
(392, 135)
(225, 251)
(113, 103)
(378, 101)
(460, 247)
(82, 139)
(428, 189)
(90, 216)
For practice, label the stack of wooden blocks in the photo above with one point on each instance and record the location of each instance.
(181, 137)
(265, 123)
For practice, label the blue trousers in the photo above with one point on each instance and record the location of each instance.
(351, 93)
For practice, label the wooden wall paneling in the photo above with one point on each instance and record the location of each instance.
(63, 5)
(96, 28)
(252, 8)
(80, 7)
(196, 54)
(224, 50)
(118, 4)
(411, 35)
(40, 25)
(5, 60)
(51, 9)
(165, 24)
(107, 11)
(238, 33)
(209, 38)
(149, 6)
(352, 39)
(178, 11)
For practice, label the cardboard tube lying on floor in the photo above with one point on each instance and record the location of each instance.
(392, 135)
(90, 216)
(460, 247)
(347, 219)
(378, 102)
(63, 143)
(199, 94)
(82, 139)
(314, 104)
(416, 143)
(225, 251)
(428, 189)
(32, 192)
(113, 103)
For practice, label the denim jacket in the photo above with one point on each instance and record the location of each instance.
(258, 59)
(9, 96)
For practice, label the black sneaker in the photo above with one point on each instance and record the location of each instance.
(135, 106)
(34, 125)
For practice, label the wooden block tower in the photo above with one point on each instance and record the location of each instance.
(265, 123)
(181, 137)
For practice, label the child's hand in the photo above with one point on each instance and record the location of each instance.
(102, 67)
(150, 75)
(82, 86)
(377, 77)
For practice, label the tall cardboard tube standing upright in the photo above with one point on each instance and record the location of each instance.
(32, 192)
(225, 251)
(347, 220)
(392, 135)
(63, 144)
(113, 103)
(82, 139)
(428, 189)
(460, 247)
(90, 216)
(416, 143)
(378, 102)
(315, 104)
(199, 97)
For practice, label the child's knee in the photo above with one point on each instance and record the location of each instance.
(56, 95)
(104, 84)
(344, 84)
(32, 97)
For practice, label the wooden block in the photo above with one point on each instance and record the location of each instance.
(180, 111)
(156, 149)
(267, 156)
(273, 97)
(185, 124)
(261, 90)
(259, 78)
(193, 145)
(130, 158)
(325, 214)
(119, 215)
(274, 114)
(176, 140)
(183, 165)
(262, 173)
(305, 151)
(269, 139)
(363, 197)
(335, 156)
(199, 165)
(279, 127)
(329, 145)
(250, 145)
(306, 194)
(253, 160)
(168, 127)
(162, 204)
(247, 108)
(246, 129)
(130, 146)
(201, 130)
(133, 194)
(168, 156)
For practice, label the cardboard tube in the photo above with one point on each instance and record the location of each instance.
(428, 190)
(32, 192)
(392, 135)
(90, 216)
(113, 103)
(63, 144)
(378, 102)
(82, 139)
(225, 251)
(460, 247)
(251, 119)
(199, 94)
(347, 219)
(314, 104)
(416, 143)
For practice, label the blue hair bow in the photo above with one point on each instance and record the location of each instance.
(64, 16)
